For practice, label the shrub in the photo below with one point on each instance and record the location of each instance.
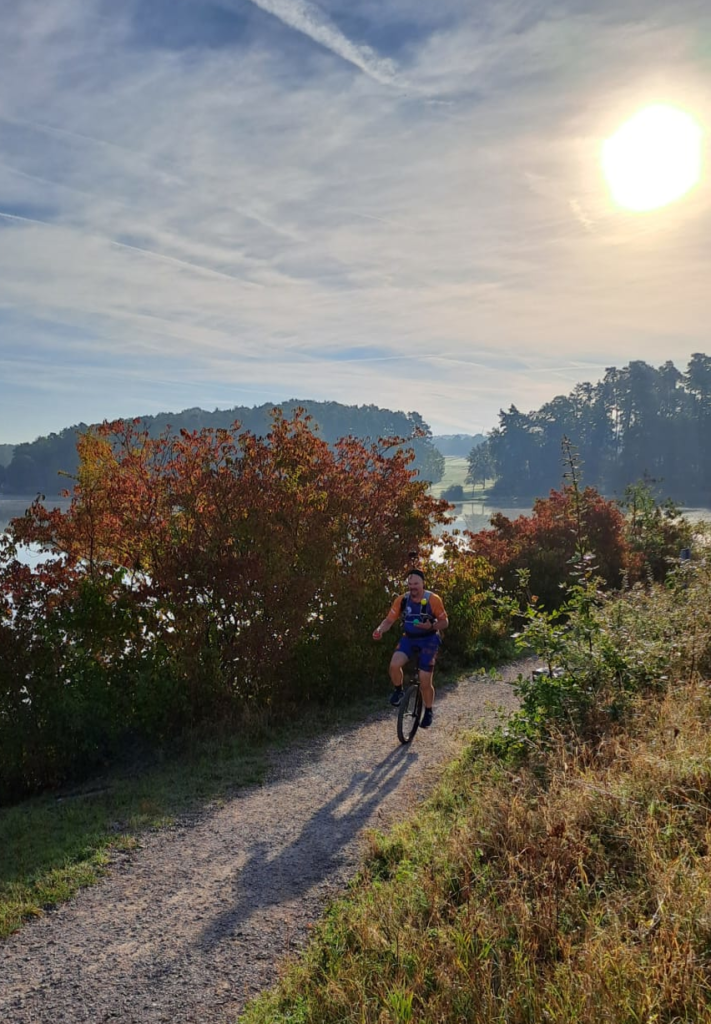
(655, 533)
(478, 631)
(546, 544)
(198, 576)
(76, 661)
(453, 493)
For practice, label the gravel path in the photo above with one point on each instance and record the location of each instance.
(193, 923)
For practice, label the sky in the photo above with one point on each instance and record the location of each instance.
(244, 201)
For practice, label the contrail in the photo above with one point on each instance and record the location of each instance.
(49, 129)
(181, 263)
(309, 19)
(151, 253)
(138, 156)
(25, 220)
(380, 220)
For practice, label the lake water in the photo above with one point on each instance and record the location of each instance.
(476, 515)
(469, 515)
(12, 507)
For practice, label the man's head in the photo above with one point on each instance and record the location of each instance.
(416, 583)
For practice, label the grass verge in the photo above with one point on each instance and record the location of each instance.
(579, 891)
(53, 845)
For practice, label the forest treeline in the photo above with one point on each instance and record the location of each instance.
(42, 466)
(637, 423)
(457, 445)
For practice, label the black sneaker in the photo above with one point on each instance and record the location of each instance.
(396, 696)
(426, 719)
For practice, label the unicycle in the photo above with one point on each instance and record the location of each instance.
(410, 711)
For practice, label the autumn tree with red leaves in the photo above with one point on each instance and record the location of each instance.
(194, 577)
(547, 543)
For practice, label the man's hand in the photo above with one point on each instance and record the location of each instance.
(377, 635)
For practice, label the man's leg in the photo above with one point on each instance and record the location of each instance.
(397, 663)
(428, 690)
(426, 667)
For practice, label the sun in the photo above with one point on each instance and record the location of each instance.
(653, 159)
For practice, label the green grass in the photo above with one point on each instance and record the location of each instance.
(52, 845)
(455, 472)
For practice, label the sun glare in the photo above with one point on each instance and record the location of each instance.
(653, 159)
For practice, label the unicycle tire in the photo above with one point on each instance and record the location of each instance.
(410, 713)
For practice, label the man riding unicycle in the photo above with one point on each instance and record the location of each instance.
(423, 620)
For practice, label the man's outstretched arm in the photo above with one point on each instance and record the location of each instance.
(389, 619)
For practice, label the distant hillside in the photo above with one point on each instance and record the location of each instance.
(6, 451)
(457, 444)
(43, 466)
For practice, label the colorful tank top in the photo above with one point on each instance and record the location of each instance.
(412, 612)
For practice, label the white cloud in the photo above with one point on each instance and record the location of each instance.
(239, 220)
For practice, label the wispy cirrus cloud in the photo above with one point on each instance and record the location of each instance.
(205, 216)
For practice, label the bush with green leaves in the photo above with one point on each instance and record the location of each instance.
(655, 532)
(602, 650)
(600, 647)
(479, 629)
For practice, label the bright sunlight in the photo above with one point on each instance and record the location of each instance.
(653, 159)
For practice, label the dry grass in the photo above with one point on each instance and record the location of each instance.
(576, 892)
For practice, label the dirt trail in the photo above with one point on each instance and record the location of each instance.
(196, 921)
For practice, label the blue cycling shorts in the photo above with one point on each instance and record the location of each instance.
(428, 648)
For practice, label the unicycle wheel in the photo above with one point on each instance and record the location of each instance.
(410, 713)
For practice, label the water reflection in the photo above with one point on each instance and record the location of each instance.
(476, 515)
(10, 508)
(469, 515)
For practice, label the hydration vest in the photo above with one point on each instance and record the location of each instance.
(413, 611)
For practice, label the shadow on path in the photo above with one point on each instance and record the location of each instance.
(269, 877)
